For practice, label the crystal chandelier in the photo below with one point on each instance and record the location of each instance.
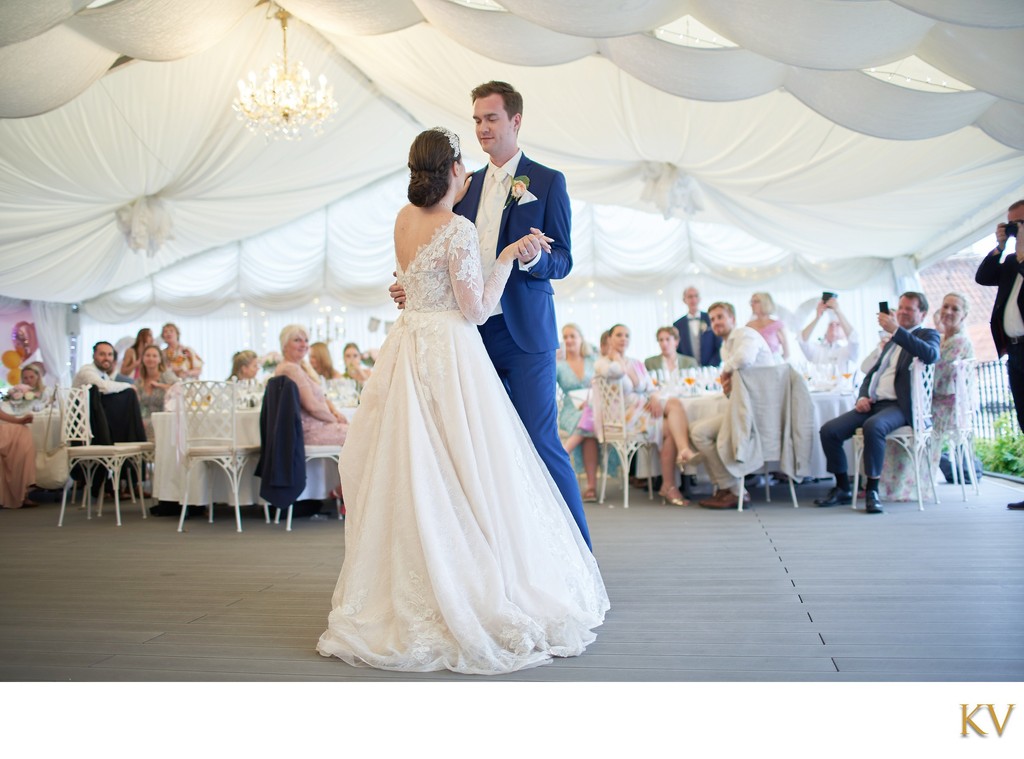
(282, 102)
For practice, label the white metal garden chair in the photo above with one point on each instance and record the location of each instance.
(915, 438)
(611, 431)
(211, 434)
(76, 437)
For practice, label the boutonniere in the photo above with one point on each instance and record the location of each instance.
(518, 190)
(703, 328)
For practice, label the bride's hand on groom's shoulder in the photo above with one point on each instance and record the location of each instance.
(397, 293)
(465, 188)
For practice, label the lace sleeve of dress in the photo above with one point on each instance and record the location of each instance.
(475, 297)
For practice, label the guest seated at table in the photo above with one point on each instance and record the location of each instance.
(669, 361)
(133, 354)
(644, 408)
(771, 329)
(354, 367)
(742, 347)
(641, 405)
(101, 371)
(155, 379)
(574, 373)
(322, 424)
(32, 378)
(17, 460)
(832, 348)
(245, 365)
(896, 482)
(180, 359)
(884, 401)
(322, 363)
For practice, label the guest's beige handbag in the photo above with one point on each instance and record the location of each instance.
(52, 465)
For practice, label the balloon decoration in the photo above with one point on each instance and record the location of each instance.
(12, 362)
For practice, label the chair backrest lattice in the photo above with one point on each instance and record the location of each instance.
(209, 412)
(612, 410)
(967, 399)
(922, 383)
(75, 428)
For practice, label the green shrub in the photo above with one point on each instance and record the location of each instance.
(1004, 454)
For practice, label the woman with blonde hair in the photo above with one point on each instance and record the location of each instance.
(322, 363)
(575, 372)
(32, 378)
(322, 424)
(772, 330)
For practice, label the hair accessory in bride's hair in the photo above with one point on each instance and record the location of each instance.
(453, 139)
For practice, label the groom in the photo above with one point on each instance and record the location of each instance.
(505, 199)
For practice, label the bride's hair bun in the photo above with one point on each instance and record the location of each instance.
(430, 159)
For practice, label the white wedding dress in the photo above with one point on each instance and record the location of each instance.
(460, 553)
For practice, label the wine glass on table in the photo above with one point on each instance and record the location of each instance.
(691, 380)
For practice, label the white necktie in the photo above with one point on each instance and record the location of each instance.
(488, 217)
(883, 364)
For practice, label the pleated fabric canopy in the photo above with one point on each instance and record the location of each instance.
(739, 140)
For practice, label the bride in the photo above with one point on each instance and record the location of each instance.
(460, 553)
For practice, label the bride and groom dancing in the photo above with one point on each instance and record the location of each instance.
(466, 544)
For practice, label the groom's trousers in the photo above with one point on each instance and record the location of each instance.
(529, 379)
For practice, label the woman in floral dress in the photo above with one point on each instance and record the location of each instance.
(896, 483)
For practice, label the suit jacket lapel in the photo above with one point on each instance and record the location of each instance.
(522, 170)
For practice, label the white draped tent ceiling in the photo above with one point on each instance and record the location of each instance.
(736, 139)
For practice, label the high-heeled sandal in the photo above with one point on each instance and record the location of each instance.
(590, 495)
(687, 457)
(673, 496)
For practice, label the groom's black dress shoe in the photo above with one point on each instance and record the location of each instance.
(836, 497)
(871, 503)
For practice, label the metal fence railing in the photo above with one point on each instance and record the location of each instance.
(994, 392)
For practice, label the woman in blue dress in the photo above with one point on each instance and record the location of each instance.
(575, 420)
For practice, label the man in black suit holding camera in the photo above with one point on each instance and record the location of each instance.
(884, 402)
(1008, 310)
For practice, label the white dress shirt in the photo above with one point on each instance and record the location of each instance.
(1013, 324)
(693, 323)
(744, 347)
(90, 374)
(497, 182)
(841, 354)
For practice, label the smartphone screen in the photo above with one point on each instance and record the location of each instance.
(883, 306)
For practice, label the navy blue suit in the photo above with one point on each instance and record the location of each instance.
(710, 343)
(522, 340)
(884, 416)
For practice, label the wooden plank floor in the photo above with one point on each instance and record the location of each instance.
(770, 594)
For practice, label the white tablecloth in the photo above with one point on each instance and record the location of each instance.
(169, 474)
